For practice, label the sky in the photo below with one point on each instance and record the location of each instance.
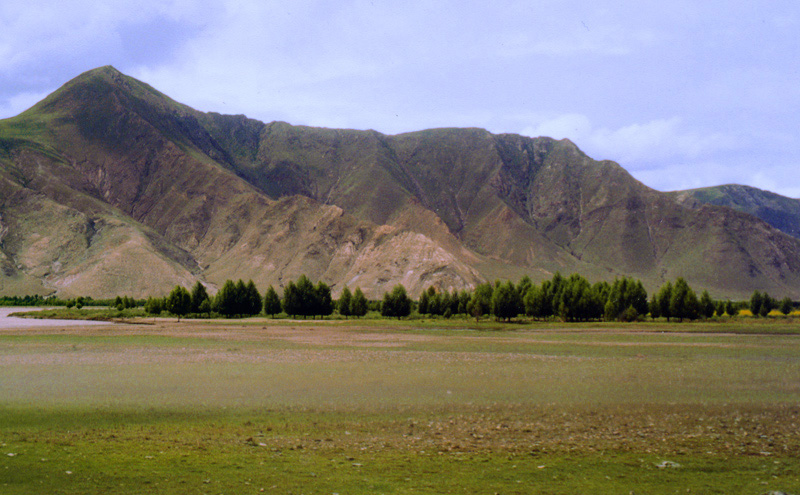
(682, 94)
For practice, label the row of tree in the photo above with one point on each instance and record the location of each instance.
(240, 299)
(573, 298)
(762, 303)
(570, 298)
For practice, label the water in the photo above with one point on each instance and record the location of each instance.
(14, 322)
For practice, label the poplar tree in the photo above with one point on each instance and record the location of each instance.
(272, 303)
(504, 301)
(323, 302)
(358, 306)
(756, 300)
(225, 302)
(683, 302)
(786, 306)
(707, 307)
(481, 301)
(730, 308)
(396, 303)
(252, 300)
(178, 302)
(199, 294)
(345, 300)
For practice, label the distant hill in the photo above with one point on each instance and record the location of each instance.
(109, 187)
(779, 211)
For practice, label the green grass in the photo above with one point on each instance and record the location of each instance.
(384, 407)
(292, 451)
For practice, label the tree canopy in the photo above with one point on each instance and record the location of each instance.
(396, 303)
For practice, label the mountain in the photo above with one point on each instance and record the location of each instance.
(779, 211)
(109, 187)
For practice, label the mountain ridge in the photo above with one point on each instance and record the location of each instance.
(781, 212)
(212, 196)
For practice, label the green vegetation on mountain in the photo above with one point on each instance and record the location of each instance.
(779, 211)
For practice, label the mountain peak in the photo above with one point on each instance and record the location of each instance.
(106, 70)
(92, 89)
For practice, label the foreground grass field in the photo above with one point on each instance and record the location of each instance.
(391, 407)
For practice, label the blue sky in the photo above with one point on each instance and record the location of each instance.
(682, 94)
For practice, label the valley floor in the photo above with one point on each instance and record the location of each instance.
(258, 405)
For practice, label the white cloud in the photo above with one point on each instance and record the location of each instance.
(577, 39)
(635, 146)
(52, 31)
(19, 103)
(675, 176)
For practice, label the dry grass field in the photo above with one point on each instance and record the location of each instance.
(380, 406)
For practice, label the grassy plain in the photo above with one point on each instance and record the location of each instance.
(263, 406)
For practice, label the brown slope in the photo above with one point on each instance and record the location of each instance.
(108, 142)
(523, 205)
(50, 246)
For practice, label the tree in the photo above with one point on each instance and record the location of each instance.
(768, 303)
(154, 305)
(664, 298)
(423, 306)
(323, 302)
(730, 308)
(205, 307)
(533, 301)
(707, 307)
(577, 300)
(396, 303)
(463, 302)
(755, 303)
(625, 293)
(358, 306)
(654, 307)
(481, 301)
(505, 304)
(272, 303)
(240, 299)
(345, 299)
(199, 294)
(225, 302)
(629, 315)
(291, 300)
(786, 306)
(444, 304)
(602, 290)
(178, 302)
(683, 303)
(251, 304)
(306, 296)
(524, 284)
(552, 288)
(434, 302)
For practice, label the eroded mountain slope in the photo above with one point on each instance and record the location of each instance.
(195, 196)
